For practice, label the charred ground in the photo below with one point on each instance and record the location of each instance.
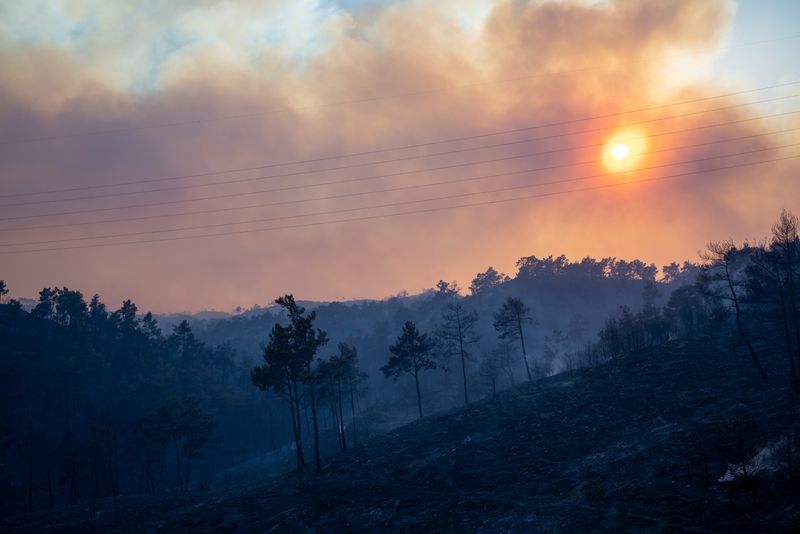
(639, 443)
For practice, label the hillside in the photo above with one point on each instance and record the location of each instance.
(622, 446)
(574, 303)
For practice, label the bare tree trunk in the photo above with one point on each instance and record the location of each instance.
(294, 430)
(299, 436)
(463, 357)
(524, 353)
(294, 403)
(416, 383)
(739, 324)
(342, 436)
(317, 463)
(353, 412)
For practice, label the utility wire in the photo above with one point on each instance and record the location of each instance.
(345, 167)
(399, 188)
(382, 216)
(380, 206)
(403, 147)
(333, 182)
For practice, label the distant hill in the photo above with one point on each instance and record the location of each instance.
(561, 296)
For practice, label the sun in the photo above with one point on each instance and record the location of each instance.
(620, 151)
(624, 149)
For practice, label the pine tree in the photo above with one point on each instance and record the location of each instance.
(509, 321)
(410, 355)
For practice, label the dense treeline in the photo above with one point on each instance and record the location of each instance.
(752, 289)
(98, 403)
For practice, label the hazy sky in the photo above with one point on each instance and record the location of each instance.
(106, 107)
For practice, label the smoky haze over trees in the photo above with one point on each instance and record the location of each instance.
(288, 366)
(456, 334)
(411, 354)
(102, 403)
(509, 322)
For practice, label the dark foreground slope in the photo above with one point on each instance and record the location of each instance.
(621, 447)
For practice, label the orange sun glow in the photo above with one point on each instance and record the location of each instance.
(620, 151)
(624, 149)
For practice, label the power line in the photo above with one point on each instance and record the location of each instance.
(345, 167)
(403, 188)
(392, 204)
(359, 100)
(333, 182)
(411, 146)
(381, 216)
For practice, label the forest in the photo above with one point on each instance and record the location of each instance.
(100, 402)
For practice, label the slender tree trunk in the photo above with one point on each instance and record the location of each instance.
(299, 436)
(341, 416)
(510, 371)
(739, 324)
(353, 412)
(416, 383)
(298, 442)
(298, 456)
(317, 463)
(524, 353)
(463, 358)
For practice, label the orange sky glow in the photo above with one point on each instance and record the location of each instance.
(475, 133)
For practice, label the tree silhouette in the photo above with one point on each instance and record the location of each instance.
(456, 333)
(3, 290)
(351, 378)
(766, 289)
(487, 280)
(721, 254)
(786, 242)
(447, 289)
(410, 354)
(305, 340)
(489, 369)
(332, 377)
(339, 378)
(187, 427)
(287, 366)
(509, 321)
(281, 373)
